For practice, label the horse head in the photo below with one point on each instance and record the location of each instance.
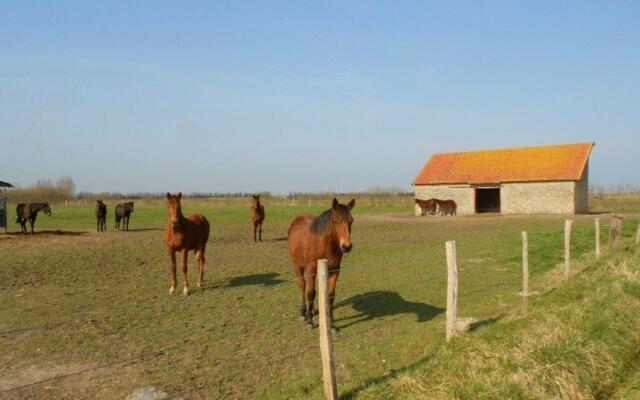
(175, 209)
(341, 221)
(256, 200)
(47, 209)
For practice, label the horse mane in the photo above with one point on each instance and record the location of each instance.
(322, 224)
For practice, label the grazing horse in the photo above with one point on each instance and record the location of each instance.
(123, 212)
(101, 215)
(30, 212)
(427, 206)
(311, 239)
(257, 217)
(184, 234)
(447, 207)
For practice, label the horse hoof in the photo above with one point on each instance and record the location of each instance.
(334, 330)
(303, 318)
(309, 324)
(172, 290)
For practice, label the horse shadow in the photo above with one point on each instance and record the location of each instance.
(48, 232)
(380, 304)
(268, 279)
(144, 229)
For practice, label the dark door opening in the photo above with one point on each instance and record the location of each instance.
(488, 200)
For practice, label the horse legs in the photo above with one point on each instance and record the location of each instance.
(299, 272)
(255, 229)
(185, 254)
(260, 232)
(333, 280)
(117, 223)
(200, 257)
(174, 281)
(125, 222)
(311, 297)
(32, 222)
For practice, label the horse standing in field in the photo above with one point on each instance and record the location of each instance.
(184, 234)
(123, 212)
(427, 206)
(447, 207)
(29, 212)
(257, 217)
(101, 215)
(311, 239)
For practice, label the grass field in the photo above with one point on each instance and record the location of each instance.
(96, 307)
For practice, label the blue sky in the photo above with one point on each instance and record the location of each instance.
(308, 96)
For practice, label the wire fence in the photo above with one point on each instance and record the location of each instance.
(238, 329)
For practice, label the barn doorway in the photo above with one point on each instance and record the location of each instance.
(487, 200)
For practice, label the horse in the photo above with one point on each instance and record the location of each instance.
(101, 215)
(310, 239)
(257, 217)
(447, 207)
(30, 212)
(123, 212)
(184, 234)
(427, 206)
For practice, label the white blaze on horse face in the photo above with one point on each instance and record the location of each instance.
(344, 236)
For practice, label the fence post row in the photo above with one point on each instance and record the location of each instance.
(452, 288)
(567, 248)
(525, 267)
(616, 231)
(326, 343)
(597, 223)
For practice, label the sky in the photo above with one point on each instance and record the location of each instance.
(286, 96)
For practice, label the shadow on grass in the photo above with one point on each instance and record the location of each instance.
(142, 230)
(483, 323)
(379, 304)
(268, 279)
(353, 393)
(48, 232)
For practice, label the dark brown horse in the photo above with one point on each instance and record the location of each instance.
(427, 206)
(29, 212)
(184, 234)
(101, 216)
(447, 207)
(311, 239)
(257, 217)
(123, 212)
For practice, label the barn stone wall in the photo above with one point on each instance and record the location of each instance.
(582, 192)
(463, 195)
(538, 197)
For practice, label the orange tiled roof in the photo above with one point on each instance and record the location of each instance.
(564, 162)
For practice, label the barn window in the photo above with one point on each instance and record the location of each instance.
(487, 200)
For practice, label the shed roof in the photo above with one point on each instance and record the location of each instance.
(5, 185)
(565, 162)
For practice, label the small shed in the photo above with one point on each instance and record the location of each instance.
(3, 204)
(551, 179)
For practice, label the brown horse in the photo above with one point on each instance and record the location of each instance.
(447, 207)
(311, 239)
(101, 216)
(427, 206)
(257, 217)
(184, 234)
(29, 212)
(123, 212)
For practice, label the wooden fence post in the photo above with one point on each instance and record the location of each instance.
(638, 234)
(616, 231)
(452, 288)
(567, 248)
(326, 343)
(525, 267)
(597, 223)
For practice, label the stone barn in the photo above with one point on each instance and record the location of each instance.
(525, 180)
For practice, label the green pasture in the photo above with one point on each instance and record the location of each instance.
(74, 300)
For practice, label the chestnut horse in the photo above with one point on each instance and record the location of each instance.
(29, 212)
(311, 239)
(184, 234)
(447, 207)
(427, 206)
(257, 217)
(101, 215)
